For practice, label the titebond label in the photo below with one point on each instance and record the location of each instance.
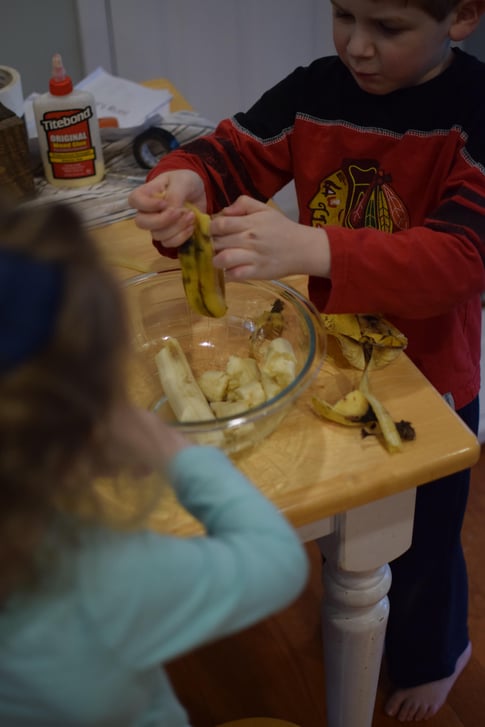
(70, 148)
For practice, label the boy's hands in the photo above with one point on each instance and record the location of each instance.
(254, 241)
(160, 205)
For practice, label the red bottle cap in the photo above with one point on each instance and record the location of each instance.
(60, 84)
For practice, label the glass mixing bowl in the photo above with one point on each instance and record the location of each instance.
(158, 309)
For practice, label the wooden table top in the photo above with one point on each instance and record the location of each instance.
(313, 468)
(310, 468)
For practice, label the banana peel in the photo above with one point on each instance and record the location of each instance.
(366, 342)
(270, 324)
(388, 428)
(354, 332)
(351, 410)
(203, 283)
(361, 408)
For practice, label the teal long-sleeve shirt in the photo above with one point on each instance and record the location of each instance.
(86, 649)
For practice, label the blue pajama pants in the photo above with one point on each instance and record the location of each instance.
(428, 619)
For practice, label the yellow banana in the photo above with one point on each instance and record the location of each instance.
(365, 336)
(203, 283)
(179, 384)
(183, 393)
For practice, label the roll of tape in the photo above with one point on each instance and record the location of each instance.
(151, 145)
(11, 95)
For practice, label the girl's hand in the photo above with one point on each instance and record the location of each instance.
(255, 241)
(160, 205)
(138, 441)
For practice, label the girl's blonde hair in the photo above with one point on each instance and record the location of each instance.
(55, 405)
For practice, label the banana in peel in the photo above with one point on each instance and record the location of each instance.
(203, 283)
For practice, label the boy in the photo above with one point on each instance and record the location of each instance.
(386, 145)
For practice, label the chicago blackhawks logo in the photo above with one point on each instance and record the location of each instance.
(359, 195)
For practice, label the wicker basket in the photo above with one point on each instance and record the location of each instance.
(16, 177)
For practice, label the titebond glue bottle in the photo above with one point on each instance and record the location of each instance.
(68, 131)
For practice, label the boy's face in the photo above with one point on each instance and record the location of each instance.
(388, 45)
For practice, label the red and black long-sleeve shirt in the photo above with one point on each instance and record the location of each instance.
(398, 181)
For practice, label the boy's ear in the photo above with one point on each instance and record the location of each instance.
(466, 18)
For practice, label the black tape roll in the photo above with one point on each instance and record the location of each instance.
(152, 144)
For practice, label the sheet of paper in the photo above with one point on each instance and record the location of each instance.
(129, 102)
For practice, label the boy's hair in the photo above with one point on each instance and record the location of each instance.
(437, 9)
(54, 406)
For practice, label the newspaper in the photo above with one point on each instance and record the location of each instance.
(107, 201)
(104, 202)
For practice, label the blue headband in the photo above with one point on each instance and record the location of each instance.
(30, 296)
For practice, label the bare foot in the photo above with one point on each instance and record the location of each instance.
(423, 701)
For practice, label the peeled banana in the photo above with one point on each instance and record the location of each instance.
(279, 362)
(245, 382)
(203, 283)
(252, 381)
(241, 370)
(364, 336)
(179, 384)
(214, 385)
(183, 393)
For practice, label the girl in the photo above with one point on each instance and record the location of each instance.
(88, 613)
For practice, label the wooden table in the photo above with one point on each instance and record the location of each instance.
(348, 491)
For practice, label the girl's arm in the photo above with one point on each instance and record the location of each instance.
(152, 597)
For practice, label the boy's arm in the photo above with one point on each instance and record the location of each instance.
(248, 154)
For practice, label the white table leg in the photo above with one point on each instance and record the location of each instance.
(355, 606)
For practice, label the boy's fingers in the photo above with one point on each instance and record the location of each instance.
(244, 205)
(223, 226)
(164, 219)
(147, 221)
(144, 202)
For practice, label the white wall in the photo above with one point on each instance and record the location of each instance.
(475, 44)
(31, 32)
(221, 54)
